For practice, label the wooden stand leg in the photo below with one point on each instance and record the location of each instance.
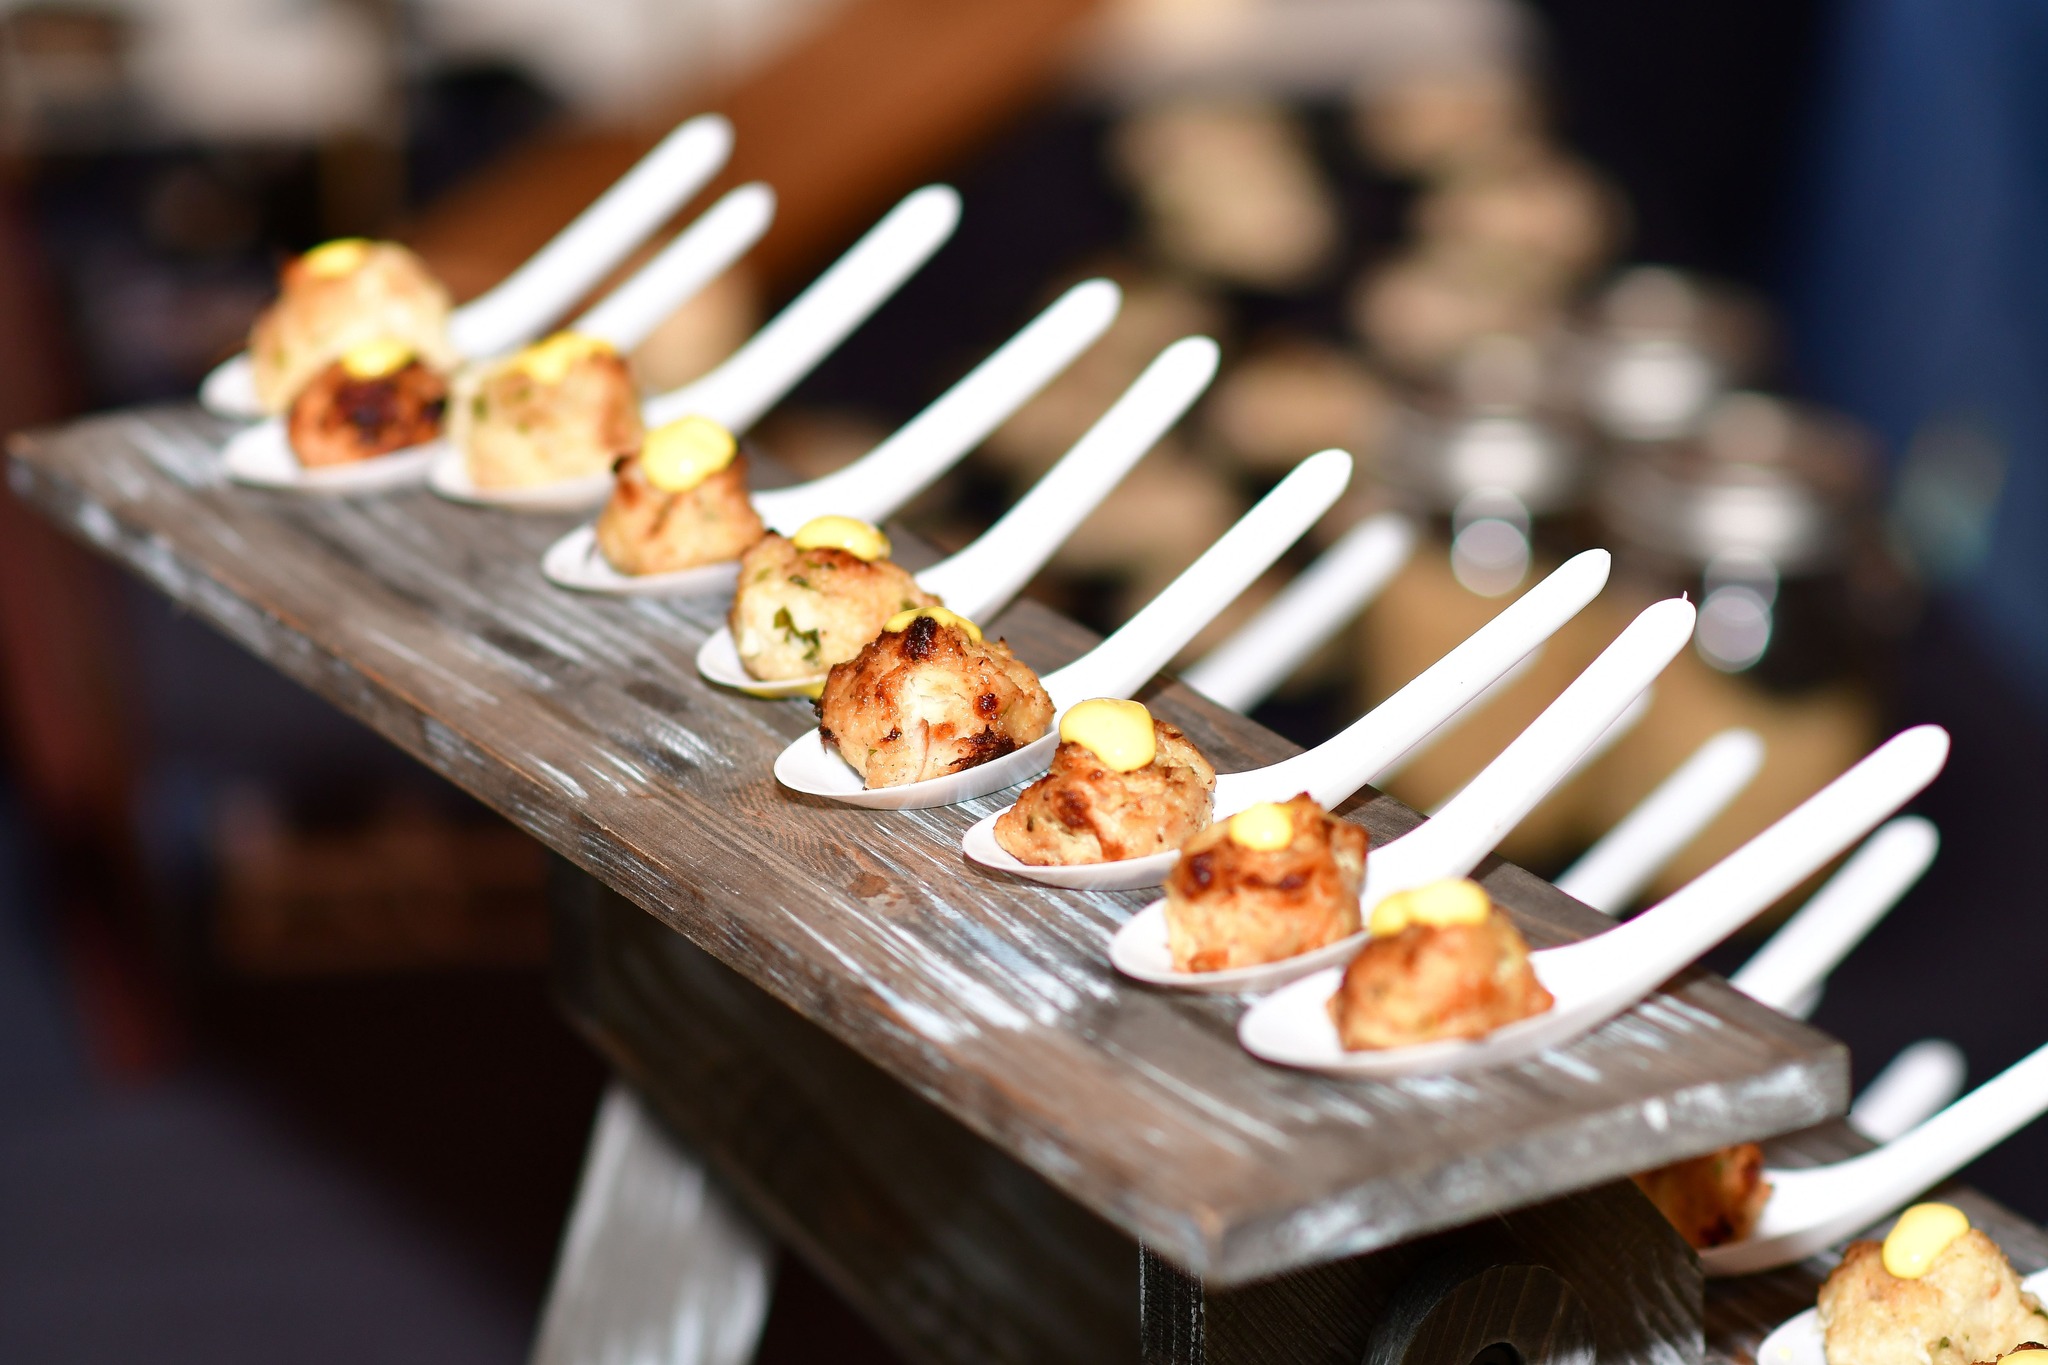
(956, 1253)
(658, 1264)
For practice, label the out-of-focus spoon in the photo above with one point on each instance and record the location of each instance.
(981, 579)
(520, 306)
(1116, 667)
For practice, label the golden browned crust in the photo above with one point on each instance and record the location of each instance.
(1432, 982)
(1712, 1199)
(1232, 906)
(391, 296)
(644, 529)
(929, 700)
(1084, 811)
(339, 419)
(798, 612)
(517, 432)
(1968, 1307)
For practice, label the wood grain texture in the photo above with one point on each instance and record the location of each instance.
(582, 720)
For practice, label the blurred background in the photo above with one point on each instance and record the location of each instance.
(1748, 292)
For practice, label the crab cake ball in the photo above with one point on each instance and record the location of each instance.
(561, 409)
(1713, 1199)
(1123, 784)
(376, 399)
(341, 295)
(927, 697)
(809, 602)
(679, 501)
(1273, 881)
(1957, 1301)
(1443, 962)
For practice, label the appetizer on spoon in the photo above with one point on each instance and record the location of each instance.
(360, 292)
(811, 601)
(1092, 825)
(372, 419)
(1252, 944)
(686, 538)
(1935, 1291)
(930, 714)
(748, 382)
(1598, 978)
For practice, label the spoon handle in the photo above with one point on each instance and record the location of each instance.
(1667, 937)
(1266, 650)
(1454, 840)
(1788, 970)
(882, 480)
(520, 306)
(1615, 869)
(1142, 645)
(700, 253)
(1913, 1087)
(1341, 765)
(752, 379)
(987, 574)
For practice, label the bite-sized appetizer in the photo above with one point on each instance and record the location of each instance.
(1442, 962)
(928, 696)
(561, 409)
(1936, 1291)
(1123, 784)
(376, 399)
(340, 296)
(1712, 1199)
(1273, 881)
(811, 601)
(679, 501)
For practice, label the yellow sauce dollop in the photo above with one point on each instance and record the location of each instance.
(2032, 1355)
(679, 455)
(1453, 900)
(1266, 826)
(1117, 732)
(850, 534)
(331, 260)
(1922, 1233)
(375, 359)
(549, 361)
(902, 619)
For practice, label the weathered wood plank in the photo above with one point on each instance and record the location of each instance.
(582, 719)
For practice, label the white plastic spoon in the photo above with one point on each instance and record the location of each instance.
(1266, 650)
(262, 457)
(1347, 761)
(520, 306)
(1788, 971)
(1120, 664)
(875, 485)
(1615, 869)
(1814, 1207)
(981, 579)
(1600, 977)
(1912, 1088)
(771, 363)
(1456, 839)
(1800, 1341)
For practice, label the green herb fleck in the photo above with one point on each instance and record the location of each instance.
(801, 581)
(813, 650)
(479, 408)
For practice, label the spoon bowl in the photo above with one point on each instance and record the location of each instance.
(1598, 978)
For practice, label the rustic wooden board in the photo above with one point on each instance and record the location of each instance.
(582, 720)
